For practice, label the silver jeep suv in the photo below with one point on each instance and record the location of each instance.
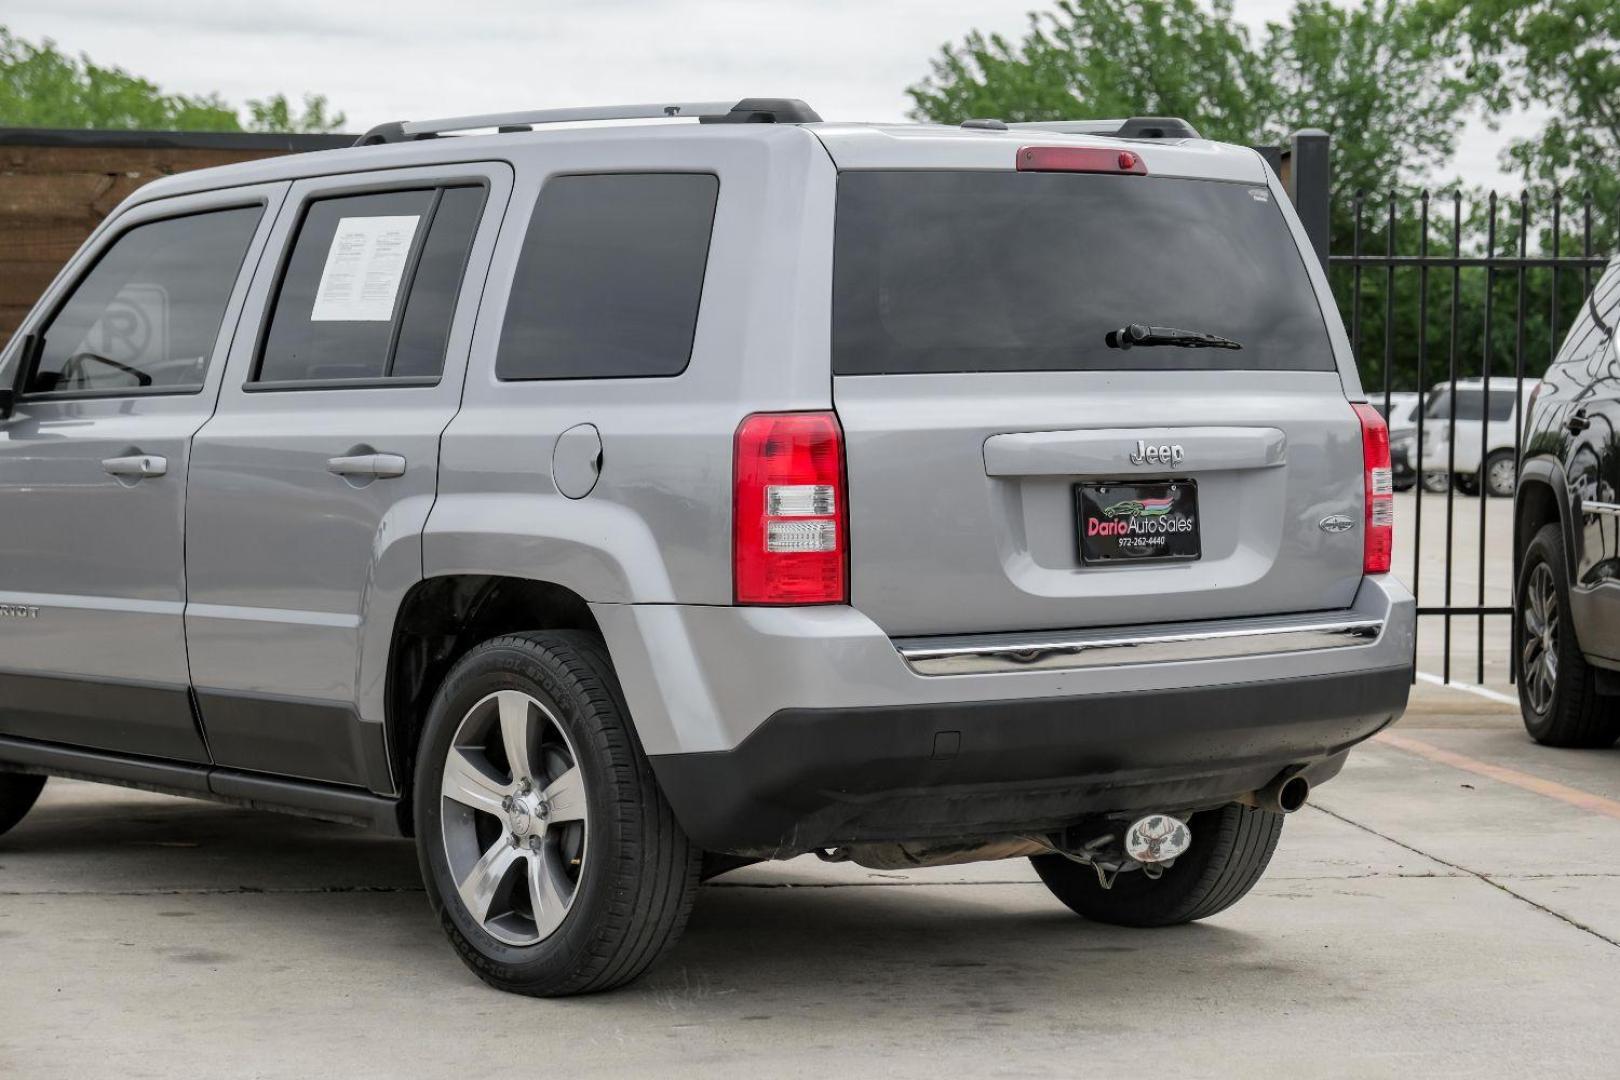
(609, 506)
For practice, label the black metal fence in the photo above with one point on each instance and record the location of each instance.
(1434, 289)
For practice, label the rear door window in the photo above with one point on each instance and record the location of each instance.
(370, 287)
(1018, 271)
(146, 316)
(610, 277)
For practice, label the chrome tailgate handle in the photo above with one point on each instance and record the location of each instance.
(136, 466)
(368, 466)
(1116, 451)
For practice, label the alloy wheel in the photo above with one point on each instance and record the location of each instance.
(1539, 657)
(514, 816)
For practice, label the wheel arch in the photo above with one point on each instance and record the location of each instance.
(1541, 499)
(439, 621)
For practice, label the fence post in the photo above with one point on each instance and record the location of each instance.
(1307, 173)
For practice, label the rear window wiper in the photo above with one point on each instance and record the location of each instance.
(1129, 337)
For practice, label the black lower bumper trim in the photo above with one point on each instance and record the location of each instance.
(816, 778)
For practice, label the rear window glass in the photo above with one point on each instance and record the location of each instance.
(1019, 271)
(1471, 404)
(610, 277)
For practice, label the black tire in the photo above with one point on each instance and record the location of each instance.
(1570, 714)
(638, 875)
(1468, 483)
(1498, 474)
(1436, 482)
(18, 793)
(1231, 848)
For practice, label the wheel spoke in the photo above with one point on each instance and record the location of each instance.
(483, 881)
(469, 785)
(514, 712)
(548, 890)
(565, 797)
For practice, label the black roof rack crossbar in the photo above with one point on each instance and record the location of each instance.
(746, 111)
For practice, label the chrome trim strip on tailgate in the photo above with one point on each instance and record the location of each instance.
(989, 653)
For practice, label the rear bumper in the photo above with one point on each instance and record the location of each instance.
(817, 778)
(774, 731)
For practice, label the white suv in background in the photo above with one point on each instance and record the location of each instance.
(1460, 452)
(1401, 415)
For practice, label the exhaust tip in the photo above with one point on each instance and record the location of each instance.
(1293, 793)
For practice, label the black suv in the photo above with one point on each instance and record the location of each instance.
(1566, 537)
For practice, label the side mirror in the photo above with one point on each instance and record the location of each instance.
(8, 402)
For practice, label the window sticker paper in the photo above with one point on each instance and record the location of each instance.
(363, 269)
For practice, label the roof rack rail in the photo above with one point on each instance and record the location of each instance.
(1137, 127)
(746, 111)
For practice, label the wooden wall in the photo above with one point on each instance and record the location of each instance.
(55, 187)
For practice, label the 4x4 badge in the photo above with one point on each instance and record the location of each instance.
(1335, 523)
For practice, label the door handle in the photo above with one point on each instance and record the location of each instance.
(136, 466)
(1578, 421)
(368, 466)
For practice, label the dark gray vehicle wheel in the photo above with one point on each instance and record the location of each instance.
(1501, 477)
(1231, 848)
(549, 854)
(18, 793)
(1436, 481)
(1557, 694)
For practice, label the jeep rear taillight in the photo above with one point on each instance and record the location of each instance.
(1379, 483)
(790, 517)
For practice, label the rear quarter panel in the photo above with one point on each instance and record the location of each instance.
(657, 526)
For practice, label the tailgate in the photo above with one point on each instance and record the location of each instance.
(1023, 357)
(964, 517)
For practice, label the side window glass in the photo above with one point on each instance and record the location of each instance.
(147, 314)
(370, 287)
(610, 277)
(424, 331)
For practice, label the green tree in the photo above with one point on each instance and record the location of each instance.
(1095, 58)
(41, 86)
(1379, 75)
(1381, 78)
(276, 114)
(1561, 56)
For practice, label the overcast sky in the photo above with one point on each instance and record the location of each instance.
(850, 59)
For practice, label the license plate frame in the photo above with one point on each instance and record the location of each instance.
(1121, 521)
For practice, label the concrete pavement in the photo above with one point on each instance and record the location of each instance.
(1419, 919)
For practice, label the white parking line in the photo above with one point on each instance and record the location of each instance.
(1469, 688)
